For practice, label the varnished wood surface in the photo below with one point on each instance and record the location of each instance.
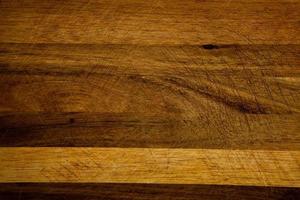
(157, 99)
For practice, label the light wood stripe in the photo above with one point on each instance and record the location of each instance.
(180, 166)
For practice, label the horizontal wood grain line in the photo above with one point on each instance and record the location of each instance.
(250, 131)
(150, 22)
(177, 166)
(82, 191)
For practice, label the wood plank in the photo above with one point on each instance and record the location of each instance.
(227, 96)
(151, 21)
(78, 191)
(177, 166)
(254, 79)
(271, 132)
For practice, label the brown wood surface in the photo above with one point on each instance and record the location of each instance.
(114, 191)
(190, 99)
(151, 22)
(237, 97)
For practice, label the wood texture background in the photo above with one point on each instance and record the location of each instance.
(150, 99)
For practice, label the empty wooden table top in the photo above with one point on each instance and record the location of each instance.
(144, 99)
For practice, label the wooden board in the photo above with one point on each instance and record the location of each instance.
(151, 22)
(150, 165)
(115, 191)
(137, 99)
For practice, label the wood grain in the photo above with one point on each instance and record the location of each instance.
(257, 79)
(233, 97)
(117, 165)
(151, 22)
(150, 99)
(274, 132)
(92, 191)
